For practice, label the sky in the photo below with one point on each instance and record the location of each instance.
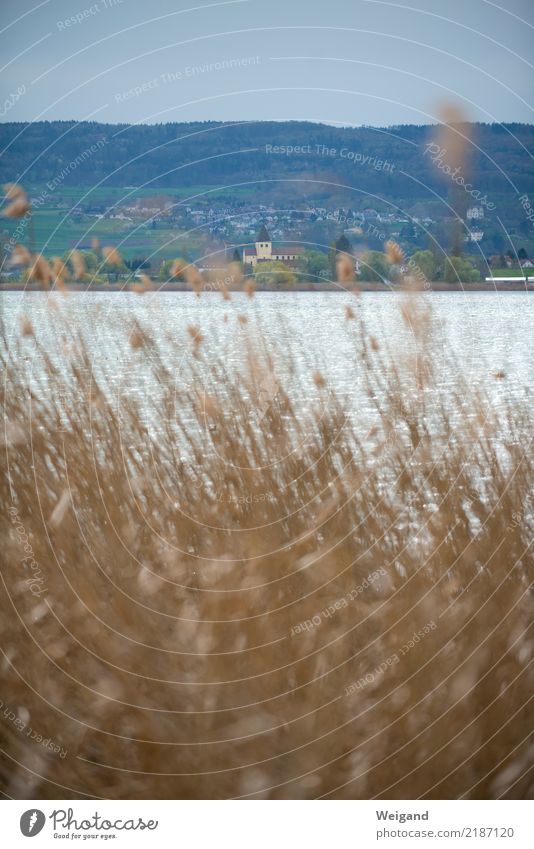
(346, 62)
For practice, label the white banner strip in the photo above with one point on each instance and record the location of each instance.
(269, 825)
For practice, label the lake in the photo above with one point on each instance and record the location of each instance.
(488, 333)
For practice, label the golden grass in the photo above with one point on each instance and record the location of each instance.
(216, 586)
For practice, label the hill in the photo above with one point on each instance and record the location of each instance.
(149, 188)
(394, 163)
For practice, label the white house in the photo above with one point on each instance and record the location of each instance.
(263, 250)
(475, 212)
(476, 235)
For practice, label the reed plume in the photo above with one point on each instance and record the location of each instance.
(212, 590)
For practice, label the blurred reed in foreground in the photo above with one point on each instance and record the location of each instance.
(225, 596)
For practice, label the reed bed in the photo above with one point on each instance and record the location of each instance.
(208, 592)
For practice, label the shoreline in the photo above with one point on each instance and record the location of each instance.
(439, 286)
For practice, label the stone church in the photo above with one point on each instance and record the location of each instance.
(264, 251)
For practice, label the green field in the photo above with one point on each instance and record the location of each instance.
(56, 226)
(112, 194)
(55, 231)
(511, 272)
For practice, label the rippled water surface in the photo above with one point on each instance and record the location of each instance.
(487, 332)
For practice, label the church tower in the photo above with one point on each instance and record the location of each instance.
(264, 245)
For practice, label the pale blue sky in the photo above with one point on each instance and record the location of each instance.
(341, 61)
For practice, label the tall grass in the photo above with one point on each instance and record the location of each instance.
(225, 595)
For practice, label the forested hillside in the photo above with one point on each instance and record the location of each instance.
(393, 163)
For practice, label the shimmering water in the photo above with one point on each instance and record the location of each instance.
(487, 332)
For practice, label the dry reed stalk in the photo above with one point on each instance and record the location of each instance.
(344, 268)
(19, 205)
(112, 256)
(197, 605)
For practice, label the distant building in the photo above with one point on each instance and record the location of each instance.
(370, 214)
(263, 251)
(475, 236)
(475, 212)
